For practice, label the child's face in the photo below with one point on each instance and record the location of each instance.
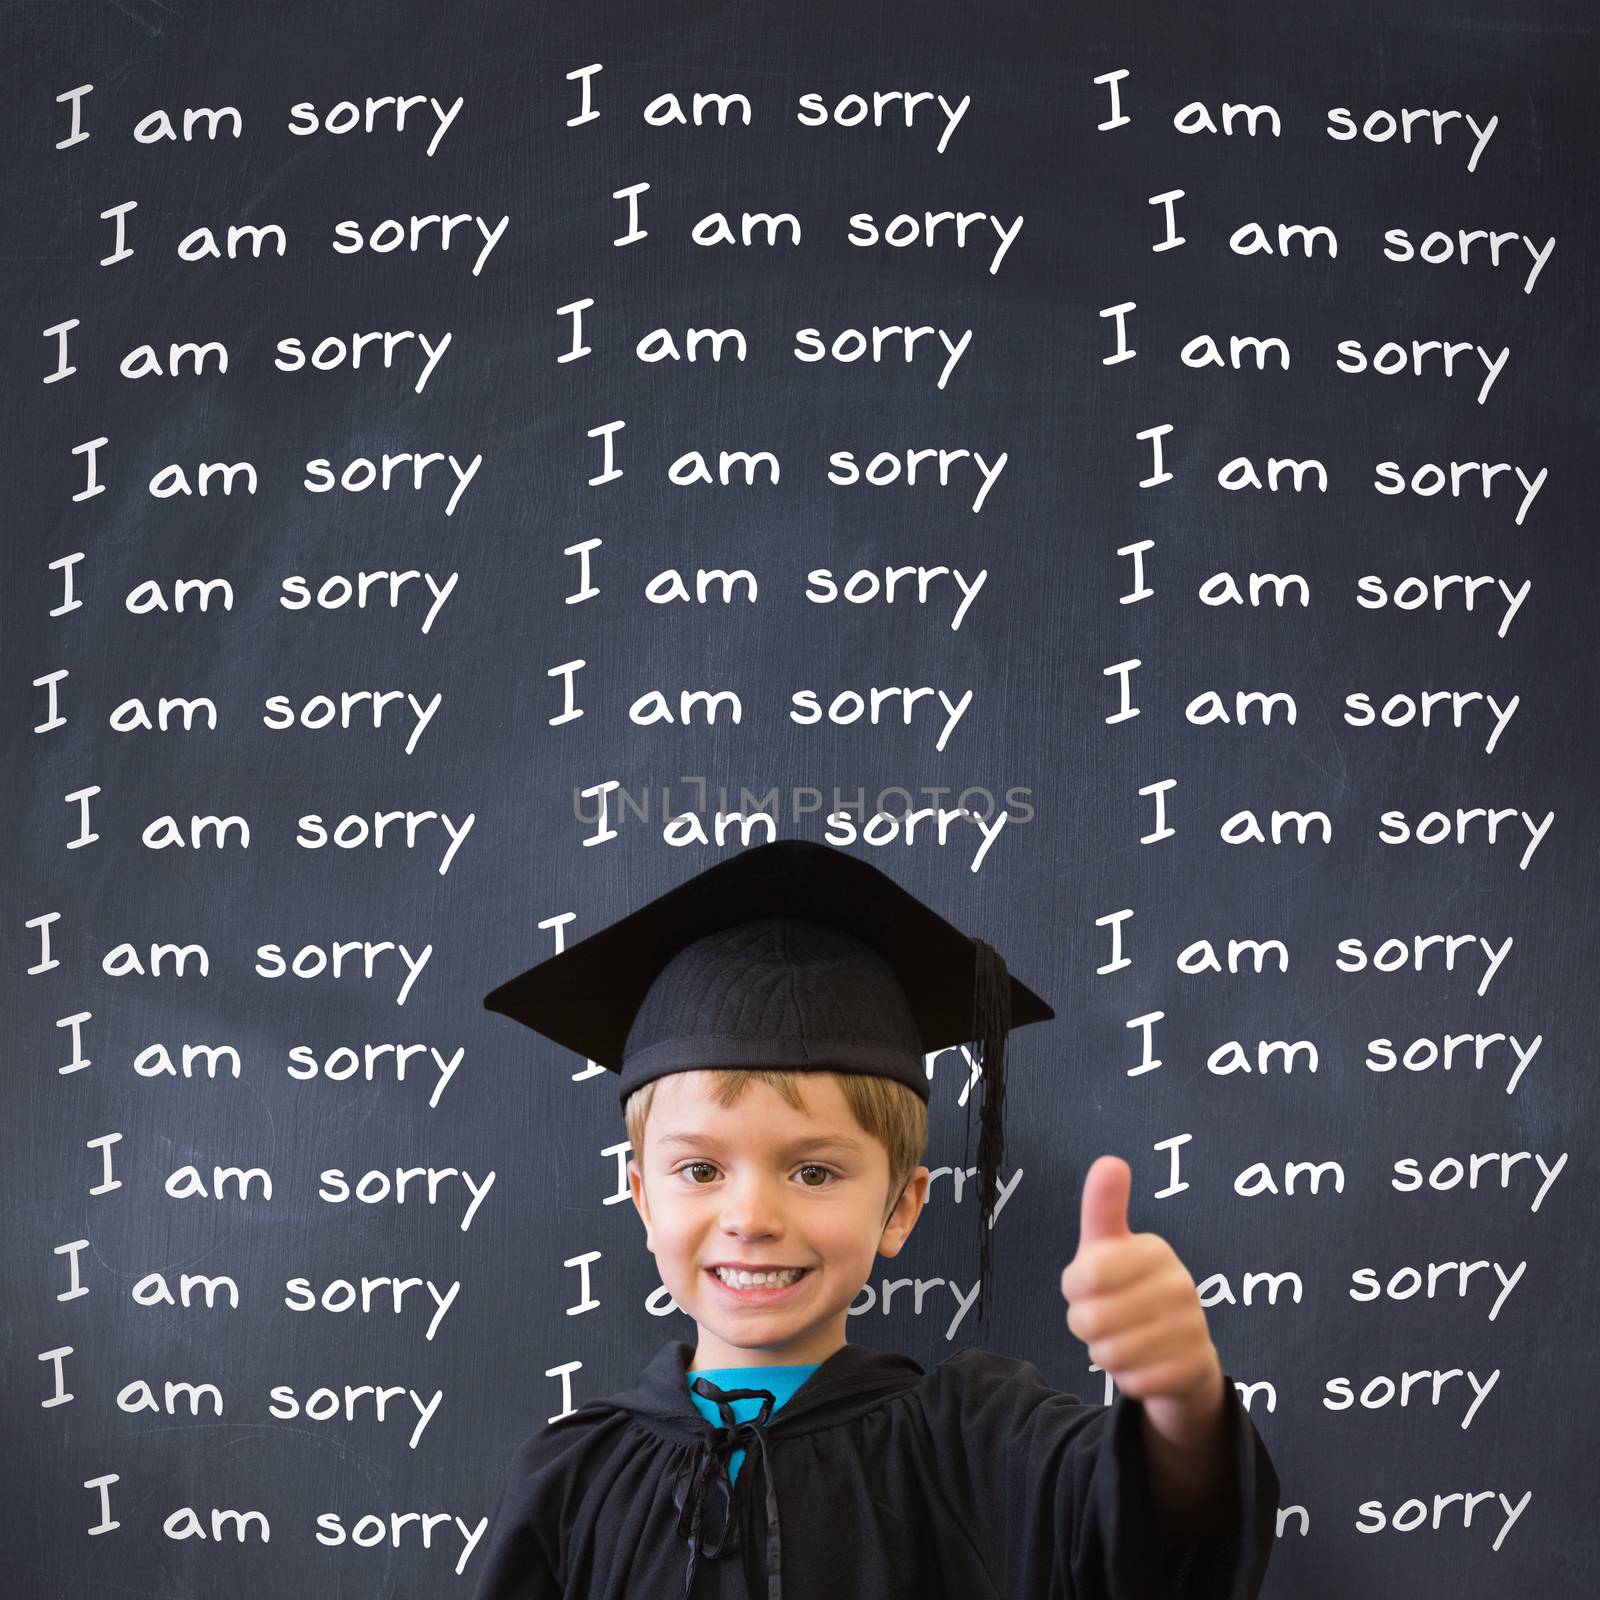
(765, 1185)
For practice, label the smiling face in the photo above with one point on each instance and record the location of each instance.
(764, 1185)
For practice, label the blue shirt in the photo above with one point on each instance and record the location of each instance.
(779, 1382)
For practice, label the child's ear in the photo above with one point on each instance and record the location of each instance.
(901, 1220)
(641, 1201)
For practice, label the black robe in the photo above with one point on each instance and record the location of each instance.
(875, 1481)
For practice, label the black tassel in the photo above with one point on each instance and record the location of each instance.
(991, 1023)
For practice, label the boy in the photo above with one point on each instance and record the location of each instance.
(770, 1019)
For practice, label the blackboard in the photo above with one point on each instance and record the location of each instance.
(1210, 281)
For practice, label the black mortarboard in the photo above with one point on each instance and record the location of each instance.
(791, 955)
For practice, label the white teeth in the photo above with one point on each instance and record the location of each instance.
(758, 1280)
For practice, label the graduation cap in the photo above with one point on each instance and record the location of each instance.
(790, 955)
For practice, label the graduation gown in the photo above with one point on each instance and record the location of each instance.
(877, 1481)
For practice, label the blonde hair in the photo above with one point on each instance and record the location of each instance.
(886, 1110)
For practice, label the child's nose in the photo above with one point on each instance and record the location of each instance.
(752, 1206)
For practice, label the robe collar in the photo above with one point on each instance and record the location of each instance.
(852, 1380)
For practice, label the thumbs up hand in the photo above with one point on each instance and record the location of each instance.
(1135, 1305)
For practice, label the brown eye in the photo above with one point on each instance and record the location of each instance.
(812, 1167)
(691, 1166)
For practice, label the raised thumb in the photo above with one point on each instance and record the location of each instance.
(1106, 1186)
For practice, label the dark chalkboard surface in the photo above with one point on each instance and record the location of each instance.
(1259, 346)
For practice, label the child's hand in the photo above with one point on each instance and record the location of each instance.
(1134, 1304)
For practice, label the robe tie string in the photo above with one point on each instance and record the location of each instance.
(706, 1473)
